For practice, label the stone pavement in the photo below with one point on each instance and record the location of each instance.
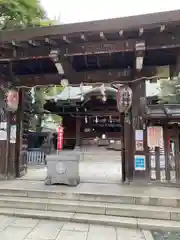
(103, 171)
(96, 165)
(32, 229)
(96, 188)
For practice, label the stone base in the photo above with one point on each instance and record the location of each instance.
(6, 177)
(63, 168)
(103, 143)
(114, 146)
(70, 182)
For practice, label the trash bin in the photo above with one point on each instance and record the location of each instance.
(63, 168)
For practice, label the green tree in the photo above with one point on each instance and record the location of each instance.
(20, 13)
(39, 97)
(170, 90)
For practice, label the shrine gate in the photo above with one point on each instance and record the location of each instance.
(123, 51)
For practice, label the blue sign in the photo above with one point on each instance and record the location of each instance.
(140, 162)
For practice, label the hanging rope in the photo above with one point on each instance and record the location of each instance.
(91, 84)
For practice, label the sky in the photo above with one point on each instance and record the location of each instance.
(69, 11)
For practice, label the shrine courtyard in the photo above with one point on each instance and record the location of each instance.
(95, 166)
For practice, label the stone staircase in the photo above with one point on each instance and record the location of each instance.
(123, 211)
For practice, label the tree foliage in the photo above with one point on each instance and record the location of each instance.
(170, 90)
(20, 13)
(40, 95)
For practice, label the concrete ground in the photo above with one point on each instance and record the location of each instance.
(32, 229)
(95, 166)
(96, 188)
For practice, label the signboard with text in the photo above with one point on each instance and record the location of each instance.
(140, 162)
(60, 138)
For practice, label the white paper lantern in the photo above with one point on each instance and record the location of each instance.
(12, 100)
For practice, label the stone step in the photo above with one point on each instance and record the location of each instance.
(94, 197)
(85, 207)
(146, 224)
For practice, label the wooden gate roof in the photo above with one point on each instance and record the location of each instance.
(90, 52)
(146, 21)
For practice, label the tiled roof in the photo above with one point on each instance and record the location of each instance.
(74, 93)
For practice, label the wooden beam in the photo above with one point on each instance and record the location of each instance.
(91, 48)
(162, 41)
(83, 37)
(153, 43)
(55, 57)
(26, 52)
(150, 21)
(17, 44)
(33, 43)
(141, 31)
(121, 32)
(65, 39)
(102, 36)
(90, 77)
(49, 41)
(162, 28)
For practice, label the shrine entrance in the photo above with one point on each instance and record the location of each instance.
(93, 127)
(100, 137)
(107, 53)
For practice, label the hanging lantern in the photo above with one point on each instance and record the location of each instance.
(124, 98)
(12, 100)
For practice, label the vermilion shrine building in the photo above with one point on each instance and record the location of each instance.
(126, 51)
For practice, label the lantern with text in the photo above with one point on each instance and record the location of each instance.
(60, 138)
(12, 100)
(124, 99)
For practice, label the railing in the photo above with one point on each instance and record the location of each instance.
(35, 157)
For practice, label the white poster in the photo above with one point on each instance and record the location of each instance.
(13, 134)
(3, 135)
(155, 137)
(139, 135)
(3, 132)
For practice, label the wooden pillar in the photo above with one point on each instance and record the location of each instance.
(174, 70)
(177, 155)
(19, 120)
(166, 151)
(139, 138)
(78, 131)
(126, 148)
(139, 132)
